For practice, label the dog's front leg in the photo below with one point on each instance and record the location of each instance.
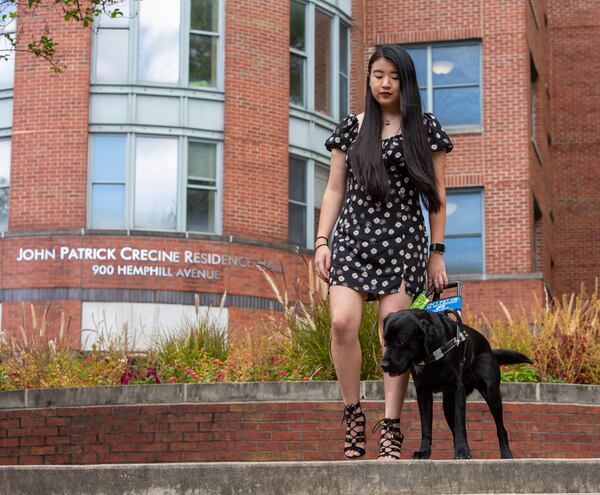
(425, 401)
(461, 447)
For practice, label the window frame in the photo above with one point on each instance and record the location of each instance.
(338, 17)
(310, 200)
(182, 177)
(185, 32)
(7, 187)
(429, 87)
(464, 190)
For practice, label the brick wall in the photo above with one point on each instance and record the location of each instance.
(575, 163)
(255, 178)
(49, 137)
(273, 431)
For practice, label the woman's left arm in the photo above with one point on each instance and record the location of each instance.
(436, 269)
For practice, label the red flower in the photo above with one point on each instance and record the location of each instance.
(173, 379)
(151, 372)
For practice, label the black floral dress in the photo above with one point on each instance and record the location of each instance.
(376, 246)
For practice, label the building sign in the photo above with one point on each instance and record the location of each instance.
(141, 262)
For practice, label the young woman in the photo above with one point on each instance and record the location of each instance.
(382, 162)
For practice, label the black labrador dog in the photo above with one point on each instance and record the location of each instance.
(414, 336)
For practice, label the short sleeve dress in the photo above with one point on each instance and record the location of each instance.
(375, 246)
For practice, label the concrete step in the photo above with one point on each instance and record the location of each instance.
(550, 476)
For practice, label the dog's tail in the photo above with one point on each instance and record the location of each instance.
(504, 356)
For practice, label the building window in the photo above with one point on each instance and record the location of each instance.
(319, 60)
(7, 51)
(176, 46)
(201, 187)
(449, 78)
(297, 201)
(155, 177)
(158, 42)
(344, 70)
(307, 183)
(298, 53)
(204, 43)
(532, 98)
(108, 181)
(464, 231)
(5, 147)
(135, 183)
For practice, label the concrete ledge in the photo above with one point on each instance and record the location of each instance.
(265, 391)
(291, 478)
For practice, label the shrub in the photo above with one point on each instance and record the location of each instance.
(307, 327)
(562, 338)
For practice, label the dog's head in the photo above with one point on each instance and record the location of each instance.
(405, 338)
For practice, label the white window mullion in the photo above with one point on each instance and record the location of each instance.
(221, 48)
(184, 42)
(133, 40)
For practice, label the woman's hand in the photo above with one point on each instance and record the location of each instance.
(323, 262)
(436, 271)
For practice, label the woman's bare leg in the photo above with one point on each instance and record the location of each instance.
(394, 386)
(346, 313)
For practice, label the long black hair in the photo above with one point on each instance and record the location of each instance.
(366, 155)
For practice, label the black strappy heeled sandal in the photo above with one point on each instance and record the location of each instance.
(390, 441)
(353, 436)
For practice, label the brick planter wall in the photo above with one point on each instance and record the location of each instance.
(250, 428)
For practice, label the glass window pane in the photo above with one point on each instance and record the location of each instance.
(419, 57)
(158, 55)
(5, 148)
(200, 210)
(4, 191)
(297, 224)
(457, 106)
(323, 63)
(343, 96)
(321, 176)
(205, 15)
(344, 48)
(423, 95)
(297, 26)
(202, 161)
(155, 204)
(105, 19)
(108, 160)
(203, 60)
(7, 65)
(464, 255)
(297, 180)
(108, 206)
(112, 55)
(297, 80)
(455, 64)
(463, 213)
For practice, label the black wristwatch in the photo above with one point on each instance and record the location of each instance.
(438, 247)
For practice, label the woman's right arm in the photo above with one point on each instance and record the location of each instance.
(333, 198)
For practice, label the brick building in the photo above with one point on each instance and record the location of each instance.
(181, 148)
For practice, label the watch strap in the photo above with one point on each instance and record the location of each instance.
(438, 247)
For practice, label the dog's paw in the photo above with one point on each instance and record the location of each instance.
(422, 454)
(462, 453)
